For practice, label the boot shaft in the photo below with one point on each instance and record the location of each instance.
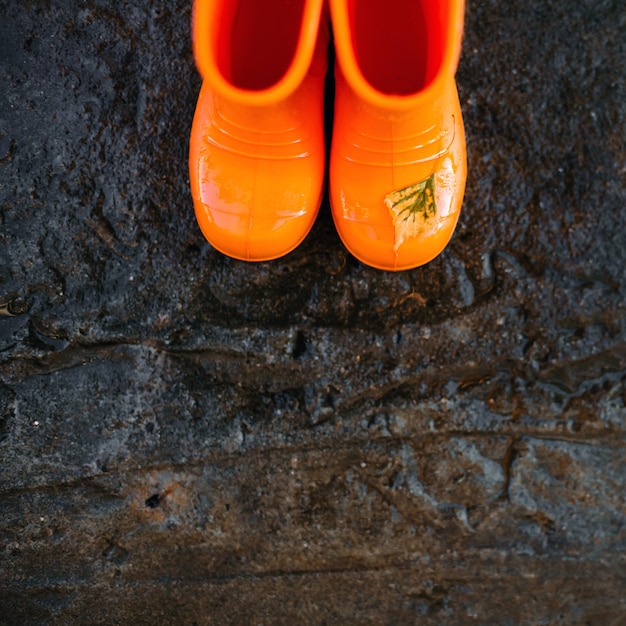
(398, 55)
(257, 52)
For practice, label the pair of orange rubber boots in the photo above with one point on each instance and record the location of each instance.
(257, 155)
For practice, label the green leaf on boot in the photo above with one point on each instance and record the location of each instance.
(412, 209)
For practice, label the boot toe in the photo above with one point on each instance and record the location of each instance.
(251, 221)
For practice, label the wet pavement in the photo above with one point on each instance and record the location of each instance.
(185, 438)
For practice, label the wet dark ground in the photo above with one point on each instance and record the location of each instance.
(187, 439)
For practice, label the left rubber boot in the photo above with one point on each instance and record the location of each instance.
(257, 155)
(398, 157)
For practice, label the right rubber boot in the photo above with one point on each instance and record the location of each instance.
(398, 157)
(256, 156)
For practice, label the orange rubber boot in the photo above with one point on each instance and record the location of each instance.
(256, 154)
(398, 161)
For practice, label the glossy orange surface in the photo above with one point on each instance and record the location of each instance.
(398, 157)
(257, 141)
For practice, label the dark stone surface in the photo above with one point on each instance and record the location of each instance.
(189, 439)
